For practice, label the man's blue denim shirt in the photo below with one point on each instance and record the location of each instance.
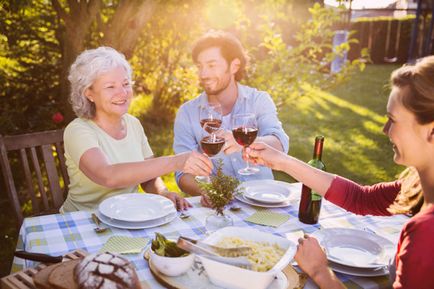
(188, 132)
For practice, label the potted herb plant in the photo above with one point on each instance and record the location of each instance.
(220, 190)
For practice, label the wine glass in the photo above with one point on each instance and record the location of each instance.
(211, 144)
(245, 130)
(210, 113)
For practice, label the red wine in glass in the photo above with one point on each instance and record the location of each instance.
(245, 131)
(245, 136)
(212, 145)
(210, 113)
(212, 123)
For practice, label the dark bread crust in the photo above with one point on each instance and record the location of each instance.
(106, 270)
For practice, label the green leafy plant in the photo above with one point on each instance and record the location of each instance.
(163, 247)
(221, 189)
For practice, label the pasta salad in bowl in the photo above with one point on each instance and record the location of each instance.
(270, 254)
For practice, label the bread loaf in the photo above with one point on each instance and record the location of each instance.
(41, 278)
(61, 277)
(106, 271)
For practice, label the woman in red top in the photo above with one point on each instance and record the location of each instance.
(410, 127)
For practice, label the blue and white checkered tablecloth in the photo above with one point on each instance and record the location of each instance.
(61, 233)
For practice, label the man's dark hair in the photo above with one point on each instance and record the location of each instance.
(230, 48)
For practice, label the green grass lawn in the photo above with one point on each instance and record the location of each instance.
(351, 118)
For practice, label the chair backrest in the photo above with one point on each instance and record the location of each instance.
(44, 183)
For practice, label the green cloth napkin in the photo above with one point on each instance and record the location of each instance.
(124, 245)
(268, 218)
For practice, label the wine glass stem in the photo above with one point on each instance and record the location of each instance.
(247, 159)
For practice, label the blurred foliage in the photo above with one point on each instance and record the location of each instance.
(289, 42)
(163, 70)
(286, 68)
(29, 66)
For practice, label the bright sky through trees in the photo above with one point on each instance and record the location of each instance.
(361, 4)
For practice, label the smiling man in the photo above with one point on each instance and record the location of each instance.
(221, 62)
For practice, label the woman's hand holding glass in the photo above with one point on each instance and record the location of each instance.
(194, 163)
(260, 153)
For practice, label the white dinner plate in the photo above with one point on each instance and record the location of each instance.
(243, 199)
(136, 207)
(293, 188)
(362, 272)
(274, 193)
(355, 248)
(137, 225)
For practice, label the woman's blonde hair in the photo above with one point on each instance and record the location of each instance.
(88, 66)
(410, 199)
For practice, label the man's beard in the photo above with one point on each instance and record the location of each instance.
(218, 90)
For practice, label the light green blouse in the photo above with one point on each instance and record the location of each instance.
(83, 134)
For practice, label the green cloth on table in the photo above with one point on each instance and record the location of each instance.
(268, 218)
(124, 245)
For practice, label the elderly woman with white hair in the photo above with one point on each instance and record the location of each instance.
(107, 152)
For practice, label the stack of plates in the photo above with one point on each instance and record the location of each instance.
(136, 211)
(267, 193)
(356, 252)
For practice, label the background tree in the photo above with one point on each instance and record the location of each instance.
(42, 41)
(29, 66)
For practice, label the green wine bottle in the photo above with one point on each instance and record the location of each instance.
(310, 203)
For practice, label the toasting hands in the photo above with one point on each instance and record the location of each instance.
(194, 163)
(260, 153)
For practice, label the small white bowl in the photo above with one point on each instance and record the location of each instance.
(171, 266)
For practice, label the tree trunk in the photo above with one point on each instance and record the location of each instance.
(77, 24)
(123, 30)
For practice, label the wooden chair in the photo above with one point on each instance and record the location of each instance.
(42, 187)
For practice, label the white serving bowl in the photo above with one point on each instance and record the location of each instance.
(171, 266)
(233, 277)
